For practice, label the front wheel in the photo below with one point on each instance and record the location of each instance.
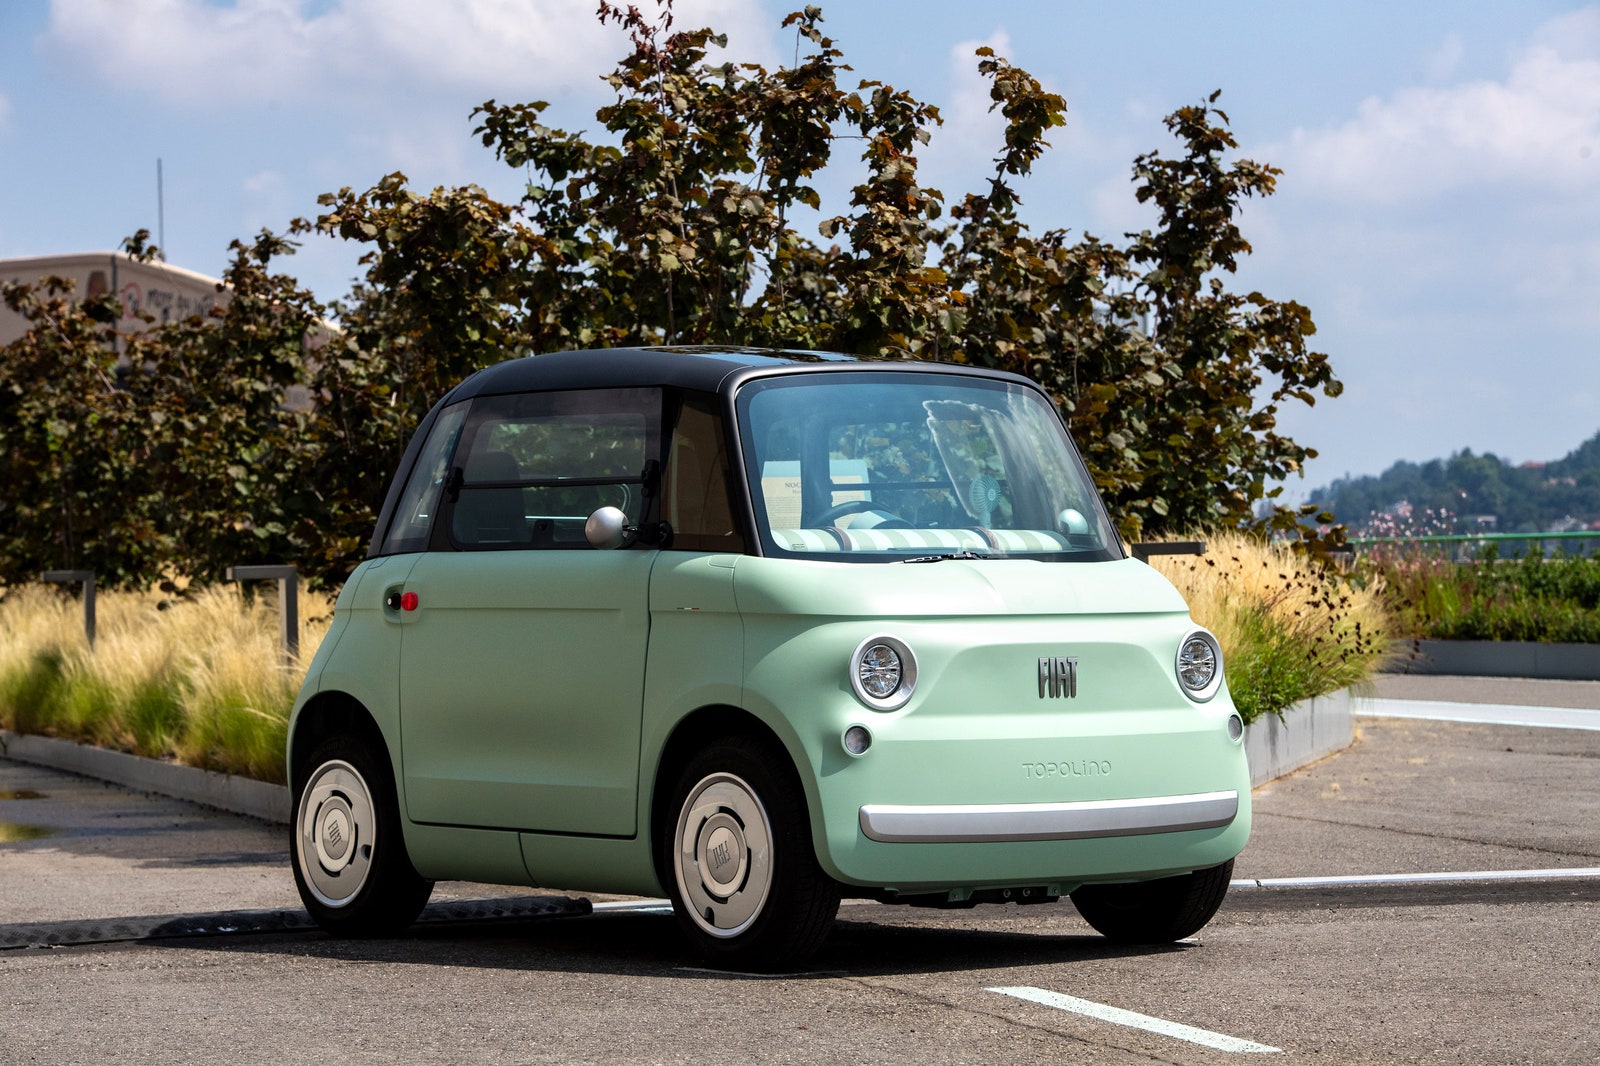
(745, 884)
(1155, 912)
(350, 862)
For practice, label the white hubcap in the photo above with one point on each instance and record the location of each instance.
(336, 825)
(724, 855)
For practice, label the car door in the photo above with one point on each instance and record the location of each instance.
(522, 657)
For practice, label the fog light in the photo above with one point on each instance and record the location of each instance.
(1235, 727)
(857, 740)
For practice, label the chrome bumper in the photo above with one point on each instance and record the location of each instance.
(991, 822)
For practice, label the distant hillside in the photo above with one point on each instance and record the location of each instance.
(1481, 491)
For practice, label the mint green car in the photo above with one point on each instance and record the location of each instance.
(755, 631)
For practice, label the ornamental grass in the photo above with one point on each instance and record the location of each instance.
(1290, 628)
(196, 677)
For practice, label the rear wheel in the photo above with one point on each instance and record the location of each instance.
(745, 884)
(350, 861)
(1155, 912)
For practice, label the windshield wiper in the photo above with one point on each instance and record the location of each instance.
(941, 558)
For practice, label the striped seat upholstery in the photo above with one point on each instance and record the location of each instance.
(834, 539)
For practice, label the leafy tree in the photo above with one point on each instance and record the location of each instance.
(678, 223)
(226, 438)
(1155, 363)
(682, 230)
(446, 282)
(197, 449)
(72, 447)
(1207, 447)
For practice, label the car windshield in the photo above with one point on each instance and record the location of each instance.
(886, 466)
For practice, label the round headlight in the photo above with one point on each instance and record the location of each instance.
(883, 673)
(1200, 665)
(880, 671)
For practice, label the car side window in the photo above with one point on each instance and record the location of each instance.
(413, 517)
(695, 497)
(531, 468)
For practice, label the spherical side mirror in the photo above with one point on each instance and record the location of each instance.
(607, 528)
(1073, 522)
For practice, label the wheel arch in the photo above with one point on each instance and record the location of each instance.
(716, 721)
(324, 715)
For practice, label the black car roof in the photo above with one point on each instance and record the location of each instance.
(703, 368)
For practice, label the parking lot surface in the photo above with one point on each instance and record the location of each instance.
(1446, 969)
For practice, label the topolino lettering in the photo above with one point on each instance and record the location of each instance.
(1080, 768)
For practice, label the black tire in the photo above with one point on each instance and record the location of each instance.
(1155, 912)
(349, 858)
(735, 850)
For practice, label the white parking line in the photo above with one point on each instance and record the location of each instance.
(1558, 874)
(1479, 713)
(1118, 1016)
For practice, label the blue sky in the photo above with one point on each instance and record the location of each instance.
(1439, 210)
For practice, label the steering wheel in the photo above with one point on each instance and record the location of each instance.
(839, 510)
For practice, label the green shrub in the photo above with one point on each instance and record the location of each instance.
(1531, 598)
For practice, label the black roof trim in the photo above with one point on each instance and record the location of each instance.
(703, 368)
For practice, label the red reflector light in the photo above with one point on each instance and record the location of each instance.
(408, 602)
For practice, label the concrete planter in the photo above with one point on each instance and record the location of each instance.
(240, 795)
(1498, 658)
(1310, 730)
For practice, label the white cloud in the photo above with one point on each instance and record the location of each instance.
(268, 181)
(1538, 128)
(971, 135)
(1573, 35)
(1446, 58)
(1117, 210)
(203, 54)
(961, 157)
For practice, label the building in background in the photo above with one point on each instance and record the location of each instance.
(164, 292)
(160, 290)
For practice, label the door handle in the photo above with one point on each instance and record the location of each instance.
(396, 600)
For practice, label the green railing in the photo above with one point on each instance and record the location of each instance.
(1459, 545)
(1464, 538)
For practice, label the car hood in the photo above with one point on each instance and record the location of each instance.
(977, 587)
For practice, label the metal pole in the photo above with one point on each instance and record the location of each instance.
(289, 614)
(161, 213)
(288, 579)
(77, 577)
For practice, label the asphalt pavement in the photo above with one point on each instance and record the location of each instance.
(1448, 969)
